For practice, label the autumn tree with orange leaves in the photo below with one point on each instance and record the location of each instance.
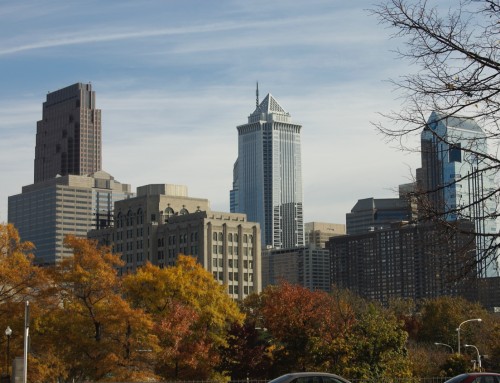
(308, 327)
(92, 331)
(192, 312)
(337, 332)
(20, 281)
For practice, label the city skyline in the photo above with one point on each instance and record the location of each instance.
(176, 81)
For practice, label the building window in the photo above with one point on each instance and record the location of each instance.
(455, 153)
(230, 237)
(169, 212)
(214, 236)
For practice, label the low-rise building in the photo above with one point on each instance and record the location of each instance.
(308, 266)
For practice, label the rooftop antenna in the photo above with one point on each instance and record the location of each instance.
(257, 96)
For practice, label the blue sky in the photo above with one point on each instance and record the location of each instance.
(174, 78)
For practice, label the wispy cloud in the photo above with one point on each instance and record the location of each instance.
(107, 34)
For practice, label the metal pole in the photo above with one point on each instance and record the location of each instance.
(460, 325)
(26, 335)
(444, 344)
(477, 353)
(8, 354)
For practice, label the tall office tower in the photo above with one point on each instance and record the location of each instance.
(68, 138)
(267, 183)
(457, 181)
(45, 212)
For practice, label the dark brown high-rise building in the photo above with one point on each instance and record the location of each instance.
(68, 138)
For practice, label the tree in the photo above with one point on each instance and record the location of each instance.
(20, 280)
(248, 354)
(337, 332)
(441, 316)
(91, 332)
(457, 73)
(455, 364)
(193, 314)
(379, 346)
(307, 328)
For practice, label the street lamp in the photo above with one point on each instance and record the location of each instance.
(458, 329)
(444, 344)
(478, 356)
(8, 333)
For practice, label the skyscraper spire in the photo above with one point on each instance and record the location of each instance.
(257, 96)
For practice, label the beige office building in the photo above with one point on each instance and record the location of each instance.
(162, 222)
(318, 233)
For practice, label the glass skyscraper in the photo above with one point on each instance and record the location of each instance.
(267, 176)
(456, 178)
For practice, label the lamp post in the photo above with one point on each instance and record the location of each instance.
(478, 355)
(8, 333)
(444, 344)
(458, 329)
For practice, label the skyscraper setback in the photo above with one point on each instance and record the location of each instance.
(71, 194)
(68, 138)
(267, 183)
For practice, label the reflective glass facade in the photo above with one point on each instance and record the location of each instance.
(453, 173)
(267, 177)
